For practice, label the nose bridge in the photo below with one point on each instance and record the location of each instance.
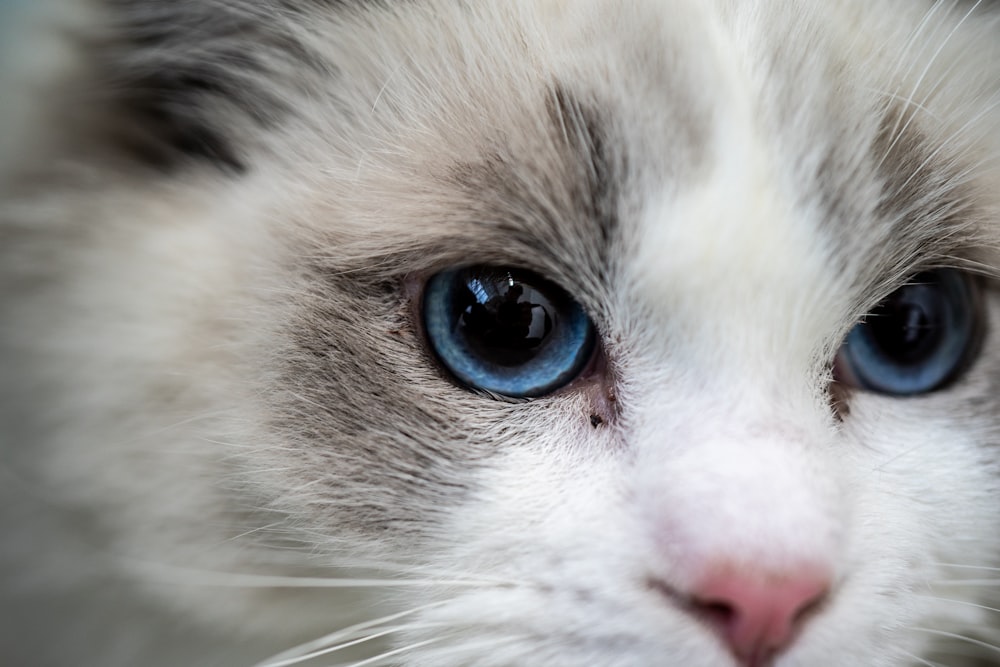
(764, 490)
(738, 472)
(737, 259)
(739, 312)
(712, 383)
(731, 308)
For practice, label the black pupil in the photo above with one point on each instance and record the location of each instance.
(907, 326)
(503, 319)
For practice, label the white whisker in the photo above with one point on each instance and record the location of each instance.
(964, 603)
(910, 101)
(195, 577)
(318, 653)
(394, 652)
(315, 645)
(915, 35)
(946, 144)
(962, 638)
(967, 582)
(963, 566)
(918, 659)
(900, 98)
(270, 528)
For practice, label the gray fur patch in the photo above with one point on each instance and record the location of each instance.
(926, 208)
(562, 200)
(377, 429)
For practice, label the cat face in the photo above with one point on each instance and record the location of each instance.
(619, 336)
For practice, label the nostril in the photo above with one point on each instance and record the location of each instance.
(716, 614)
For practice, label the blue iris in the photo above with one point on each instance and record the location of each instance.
(506, 331)
(917, 340)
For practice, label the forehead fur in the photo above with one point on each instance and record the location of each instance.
(402, 101)
(603, 135)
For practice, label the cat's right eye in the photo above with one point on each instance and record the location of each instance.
(917, 340)
(506, 331)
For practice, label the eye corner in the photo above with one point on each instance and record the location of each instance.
(839, 396)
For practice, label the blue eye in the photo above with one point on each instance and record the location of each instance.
(506, 331)
(915, 341)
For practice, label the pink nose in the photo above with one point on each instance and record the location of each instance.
(758, 615)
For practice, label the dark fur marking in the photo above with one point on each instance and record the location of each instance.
(555, 206)
(921, 195)
(166, 125)
(924, 214)
(188, 79)
(586, 136)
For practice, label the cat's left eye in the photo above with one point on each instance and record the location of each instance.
(917, 340)
(506, 331)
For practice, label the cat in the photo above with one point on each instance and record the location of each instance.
(505, 333)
